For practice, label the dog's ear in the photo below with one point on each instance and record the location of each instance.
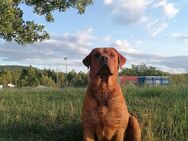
(87, 61)
(121, 60)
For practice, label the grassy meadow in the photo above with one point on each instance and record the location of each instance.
(55, 115)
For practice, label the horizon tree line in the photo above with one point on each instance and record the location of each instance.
(22, 76)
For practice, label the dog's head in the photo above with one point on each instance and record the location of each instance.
(104, 61)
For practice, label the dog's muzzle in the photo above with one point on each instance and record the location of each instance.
(104, 60)
(104, 68)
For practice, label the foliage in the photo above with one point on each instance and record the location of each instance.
(55, 115)
(179, 78)
(142, 70)
(32, 77)
(14, 27)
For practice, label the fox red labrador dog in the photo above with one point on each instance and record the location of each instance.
(105, 116)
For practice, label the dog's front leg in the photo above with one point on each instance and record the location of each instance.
(119, 136)
(88, 135)
(133, 132)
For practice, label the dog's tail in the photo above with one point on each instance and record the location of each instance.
(133, 132)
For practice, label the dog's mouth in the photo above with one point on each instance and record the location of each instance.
(104, 70)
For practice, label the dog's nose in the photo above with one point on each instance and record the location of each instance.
(104, 59)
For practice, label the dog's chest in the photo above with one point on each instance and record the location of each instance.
(108, 113)
(109, 110)
(102, 111)
(109, 121)
(107, 103)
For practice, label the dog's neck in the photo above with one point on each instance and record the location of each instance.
(103, 82)
(103, 88)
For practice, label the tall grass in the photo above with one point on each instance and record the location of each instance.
(162, 111)
(54, 115)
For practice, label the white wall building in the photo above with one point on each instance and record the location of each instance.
(11, 85)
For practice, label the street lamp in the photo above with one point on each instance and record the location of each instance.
(57, 82)
(66, 71)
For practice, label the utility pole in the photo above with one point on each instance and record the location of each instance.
(57, 77)
(66, 71)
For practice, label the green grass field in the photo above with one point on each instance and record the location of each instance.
(55, 115)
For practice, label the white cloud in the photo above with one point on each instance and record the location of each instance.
(180, 37)
(175, 64)
(50, 53)
(107, 39)
(172, 64)
(76, 46)
(156, 27)
(168, 8)
(128, 12)
(169, 69)
(107, 2)
(123, 46)
(144, 12)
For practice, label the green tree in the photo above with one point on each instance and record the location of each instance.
(71, 78)
(14, 28)
(30, 77)
(81, 79)
(47, 81)
(61, 79)
(16, 76)
(143, 70)
(6, 77)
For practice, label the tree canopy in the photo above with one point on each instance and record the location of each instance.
(14, 28)
(22, 76)
(143, 70)
(31, 77)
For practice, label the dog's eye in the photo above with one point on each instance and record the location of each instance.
(96, 55)
(112, 55)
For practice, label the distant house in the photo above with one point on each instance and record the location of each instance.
(11, 85)
(1, 86)
(128, 79)
(145, 80)
(153, 80)
(41, 87)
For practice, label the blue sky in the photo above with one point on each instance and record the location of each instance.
(153, 32)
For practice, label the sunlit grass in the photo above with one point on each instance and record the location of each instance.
(55, 115)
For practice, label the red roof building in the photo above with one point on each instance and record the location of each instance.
(128, 79)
